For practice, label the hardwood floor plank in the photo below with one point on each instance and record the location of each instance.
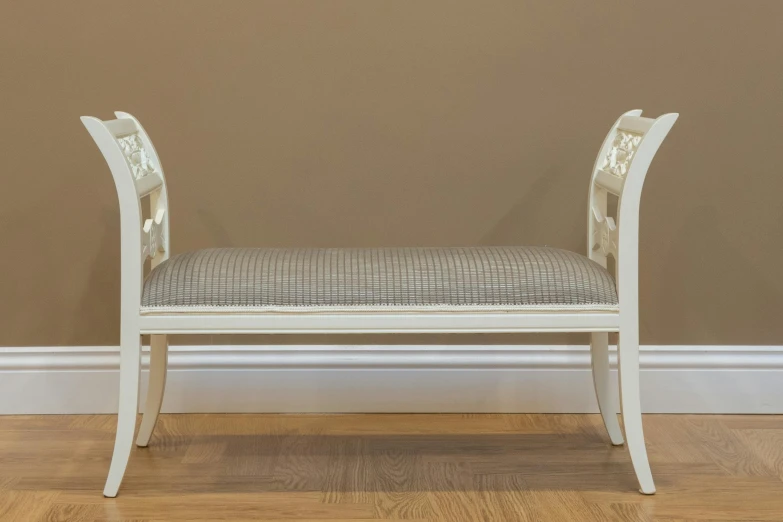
(449, 487)
(70, 513)
(503, 497)
(302, 462)
(451, 468)
(751, 422)
(670, 438)
(707, 497)
(347, 478)
(628, 512)
(765, 444)
(398, 489)
(726, 451)
(25, 505)
(231, 506)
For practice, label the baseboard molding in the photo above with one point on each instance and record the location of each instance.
(551, 379)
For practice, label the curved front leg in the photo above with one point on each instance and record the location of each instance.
(631, 407)
(130, 367)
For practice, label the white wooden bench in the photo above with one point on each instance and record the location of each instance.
(503, 289)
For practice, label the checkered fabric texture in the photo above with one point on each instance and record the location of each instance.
(271, 279)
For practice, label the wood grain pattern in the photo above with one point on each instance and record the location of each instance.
(391, 467)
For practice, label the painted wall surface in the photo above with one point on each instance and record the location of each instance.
(355, 123)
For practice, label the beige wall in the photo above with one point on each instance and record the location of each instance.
(395, 123)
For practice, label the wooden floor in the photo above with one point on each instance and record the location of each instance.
(390, 467)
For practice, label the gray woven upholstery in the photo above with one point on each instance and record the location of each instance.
(378, 279)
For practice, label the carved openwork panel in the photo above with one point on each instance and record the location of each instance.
(153, 239)
(620, 156)
(136, 155)
(605, 234)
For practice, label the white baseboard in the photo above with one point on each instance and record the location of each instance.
(551, 379)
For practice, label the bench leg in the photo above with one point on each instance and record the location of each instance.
(604, 391)
(130, 366)
(159, 350)
(631, 407)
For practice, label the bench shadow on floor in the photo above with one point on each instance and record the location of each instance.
(389, 463)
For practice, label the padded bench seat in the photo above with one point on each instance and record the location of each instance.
(378, 280)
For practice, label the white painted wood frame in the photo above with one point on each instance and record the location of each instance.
(619, 170)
